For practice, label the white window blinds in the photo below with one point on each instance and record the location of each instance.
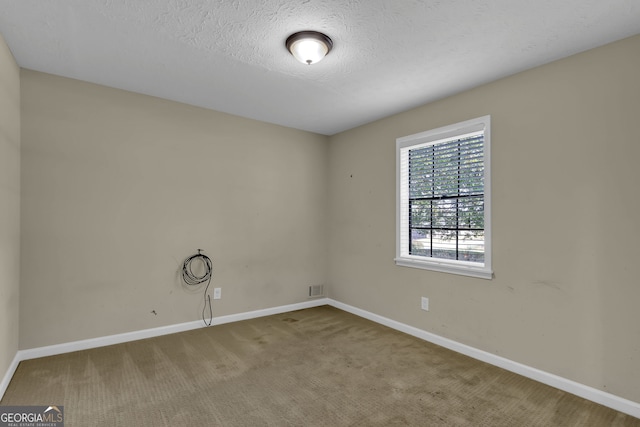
(442, 197)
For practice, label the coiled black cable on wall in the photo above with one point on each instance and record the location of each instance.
(193, 279)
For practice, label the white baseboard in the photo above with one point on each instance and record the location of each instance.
(68, 347)
(612, 401)
(52, 350)
(270, 311)
(607, 399)
(9, 374)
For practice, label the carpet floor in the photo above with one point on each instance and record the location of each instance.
(315, 367)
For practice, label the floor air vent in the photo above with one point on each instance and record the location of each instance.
(316, 291)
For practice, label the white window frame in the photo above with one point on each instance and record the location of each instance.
(403, 258)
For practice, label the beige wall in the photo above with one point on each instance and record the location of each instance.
(119, 188)
(9, 205)
(566, 224)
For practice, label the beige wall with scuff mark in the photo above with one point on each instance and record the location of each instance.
(119, 188)
(565, 176)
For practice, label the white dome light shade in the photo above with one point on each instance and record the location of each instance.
(308, 51)
(309, 47)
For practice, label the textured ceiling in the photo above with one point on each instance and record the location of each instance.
(229, 55)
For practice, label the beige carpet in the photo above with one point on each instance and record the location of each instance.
(315, 367)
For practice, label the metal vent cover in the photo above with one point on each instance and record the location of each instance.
(316, 291)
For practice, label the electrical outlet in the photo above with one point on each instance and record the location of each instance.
(217, 293)
(425, 303)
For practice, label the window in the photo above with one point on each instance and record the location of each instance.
(443, 197)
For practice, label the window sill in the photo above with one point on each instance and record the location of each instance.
(444, 267)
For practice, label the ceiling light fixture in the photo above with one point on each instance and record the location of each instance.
(309, 47)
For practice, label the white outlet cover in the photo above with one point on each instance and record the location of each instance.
(425, 303)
